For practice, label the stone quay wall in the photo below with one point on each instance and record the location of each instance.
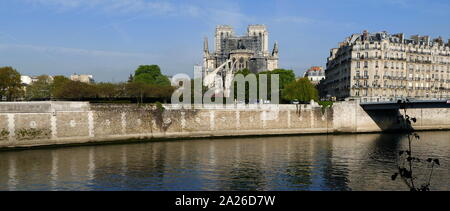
(28, 124)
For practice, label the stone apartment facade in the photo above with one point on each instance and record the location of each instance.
(383, 67)
(82, 78)
(315, 74)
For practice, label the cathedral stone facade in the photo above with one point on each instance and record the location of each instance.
(234, 53)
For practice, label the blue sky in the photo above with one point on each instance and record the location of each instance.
(110, 38)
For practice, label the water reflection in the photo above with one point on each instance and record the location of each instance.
(343, 162)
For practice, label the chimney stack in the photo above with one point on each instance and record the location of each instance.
(365, 35)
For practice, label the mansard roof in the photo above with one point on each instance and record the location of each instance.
(394, 38)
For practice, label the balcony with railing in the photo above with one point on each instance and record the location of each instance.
(398, 59)
(376, 86)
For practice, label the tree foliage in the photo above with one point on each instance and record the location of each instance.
(58, 85)
(141, 90)
(63, 88)
(150, 74)
(285, 77)
(41, 89)
(148, 85)
(110, 90)
(302, 90)
(10, 84)
(76, 90)
(406, 160)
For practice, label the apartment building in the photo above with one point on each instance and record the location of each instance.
(383, 67)
(315, 74)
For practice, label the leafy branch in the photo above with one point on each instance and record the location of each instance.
(406, 159)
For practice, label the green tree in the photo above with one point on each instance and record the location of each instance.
(151, 74)
(136, 90)
(140, 91)
(41, 89)
(57, 88)
(302, 90)
(75, 90)
(130, 78)
(10, 84)
(107, 90)
(285, 77)
(64, 88)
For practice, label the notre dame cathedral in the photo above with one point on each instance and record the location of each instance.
(233, 53)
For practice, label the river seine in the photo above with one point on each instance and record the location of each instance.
(339, 162)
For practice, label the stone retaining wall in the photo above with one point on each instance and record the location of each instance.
(50, 123)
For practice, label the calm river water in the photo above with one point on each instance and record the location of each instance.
(342, 162)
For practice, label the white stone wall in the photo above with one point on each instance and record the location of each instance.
(110, 122)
